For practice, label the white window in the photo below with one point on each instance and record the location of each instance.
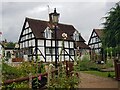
(26, 43)
(40, 42)
(71, 51)
(59, 43)
(76, 36)
(48, 33)
(21, 45)
(29, 42)
(71, 45)
(66, 44)
(47, 51)
(59, 50)
(48, 58)
(53, 43)
(61, 58)
(67, 58)
(33, 42)
(50, 50)
(48, 42)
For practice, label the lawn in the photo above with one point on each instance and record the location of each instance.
(102, 74)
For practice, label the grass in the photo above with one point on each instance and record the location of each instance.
(101, 74)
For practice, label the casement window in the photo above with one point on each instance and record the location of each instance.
(53, 43)
(60, 43)
(40, 42)
(66, 44)
(71, 45)
(30, 42)
(48, 43)
(76, 36)
(47, 51)
(71, 51)
(21, 45)
(30, 51)
(33, 42)
(50, 50)
(48, 33)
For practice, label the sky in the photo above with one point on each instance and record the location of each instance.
(83, 15)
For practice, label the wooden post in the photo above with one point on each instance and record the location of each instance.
(30, 80)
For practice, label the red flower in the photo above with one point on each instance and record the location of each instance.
(39, 78)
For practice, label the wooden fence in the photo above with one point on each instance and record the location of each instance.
(117, 69)
(7, 82)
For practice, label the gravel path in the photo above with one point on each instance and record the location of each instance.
(92, 81)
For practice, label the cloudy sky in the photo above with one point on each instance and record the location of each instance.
(83, 15)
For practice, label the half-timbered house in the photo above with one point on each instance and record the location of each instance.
(95, 42)
(37, 40)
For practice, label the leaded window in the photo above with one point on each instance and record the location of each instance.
(76, 36)
(48, 33)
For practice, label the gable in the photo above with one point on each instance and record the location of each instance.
(95, 36)
(26, 32)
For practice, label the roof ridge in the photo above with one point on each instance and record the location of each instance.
(48, 21)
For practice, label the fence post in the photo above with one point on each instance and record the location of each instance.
(30, 80)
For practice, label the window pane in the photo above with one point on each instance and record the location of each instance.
(71, 45)
(59, 43)
(48, 42)
(66, 44)
(40, 42)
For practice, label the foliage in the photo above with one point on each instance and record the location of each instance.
(9, 72)
(23, 70)
(112, 28)
(16, 85)
(8, 44)
(109, 63)
(62, 80)
(86, 65)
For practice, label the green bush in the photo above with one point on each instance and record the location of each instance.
(86, 65)
(9, 72)
(22, 70)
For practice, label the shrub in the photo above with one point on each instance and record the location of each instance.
(86, 65)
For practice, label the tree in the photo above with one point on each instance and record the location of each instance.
(111, 31)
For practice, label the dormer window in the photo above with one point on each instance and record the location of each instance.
(76, 36)
(48, 33)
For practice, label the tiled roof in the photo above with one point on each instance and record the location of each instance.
(82, 45)
(99, 32)
(38, 27)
